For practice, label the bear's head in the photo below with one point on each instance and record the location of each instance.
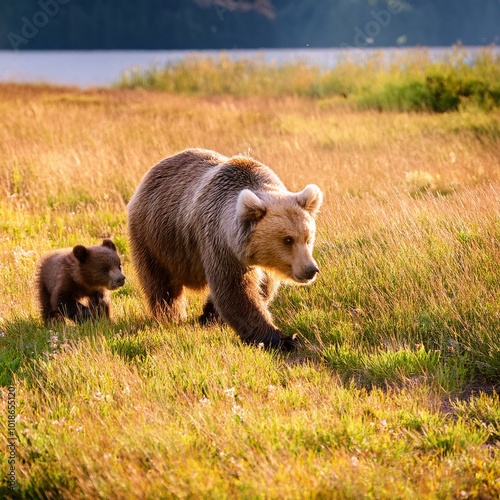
(99, 266)
(281, 229)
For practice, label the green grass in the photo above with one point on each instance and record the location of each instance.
(394, 390)
(410, 82)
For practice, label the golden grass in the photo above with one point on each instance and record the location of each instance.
(405, 315)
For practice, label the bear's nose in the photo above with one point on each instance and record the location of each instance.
(311, 271)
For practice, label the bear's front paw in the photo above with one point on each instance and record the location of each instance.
(289, 343)
(282, 343)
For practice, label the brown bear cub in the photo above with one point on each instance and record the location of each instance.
(199, 218)
(75, 283)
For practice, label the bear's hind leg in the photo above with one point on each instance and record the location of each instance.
(168, 303)
(166, 300)
(210, 315)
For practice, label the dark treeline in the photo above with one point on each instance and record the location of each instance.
(200, 24)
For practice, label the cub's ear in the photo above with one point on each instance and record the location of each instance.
(109, 244)
(310, 198)
(249, 207)
(81, 253)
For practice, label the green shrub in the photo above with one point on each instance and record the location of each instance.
(411, 96)
(410, 83)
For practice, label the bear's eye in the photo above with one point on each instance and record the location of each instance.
(288, 240)
(105, 269)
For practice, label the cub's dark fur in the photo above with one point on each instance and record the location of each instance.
(75, 283)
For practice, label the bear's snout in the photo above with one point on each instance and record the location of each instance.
(311, 271)
(118, 282)
(306, 274)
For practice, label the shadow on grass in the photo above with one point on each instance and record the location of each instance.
(454, 373)
(26, 340)
(23, 341)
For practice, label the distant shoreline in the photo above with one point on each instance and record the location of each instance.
(103, 68)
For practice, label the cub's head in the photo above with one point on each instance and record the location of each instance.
(281, 229)
(99, 266)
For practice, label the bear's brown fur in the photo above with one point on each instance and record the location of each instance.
(201, 218)
(75, 283)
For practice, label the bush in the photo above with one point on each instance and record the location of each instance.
(413, 82)
(412, 96)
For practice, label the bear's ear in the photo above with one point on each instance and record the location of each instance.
(81, 253)
(249, 207)
(310, 198)
(109, 244)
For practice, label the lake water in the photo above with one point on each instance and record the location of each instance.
(103, 68)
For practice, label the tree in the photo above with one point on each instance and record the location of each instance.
(200, 24)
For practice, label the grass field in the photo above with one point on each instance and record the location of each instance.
(393, 393)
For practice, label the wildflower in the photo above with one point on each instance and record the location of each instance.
(271, 390)
(53, 340)
(238, 413)
(238, 410)
(20, 254)
(230, 393)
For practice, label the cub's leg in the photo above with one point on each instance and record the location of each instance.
(100, 305)
(44, 299)
(68, 307)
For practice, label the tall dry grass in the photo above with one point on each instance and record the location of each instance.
(404, 317)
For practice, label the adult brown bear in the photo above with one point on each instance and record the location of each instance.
(201, 218)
